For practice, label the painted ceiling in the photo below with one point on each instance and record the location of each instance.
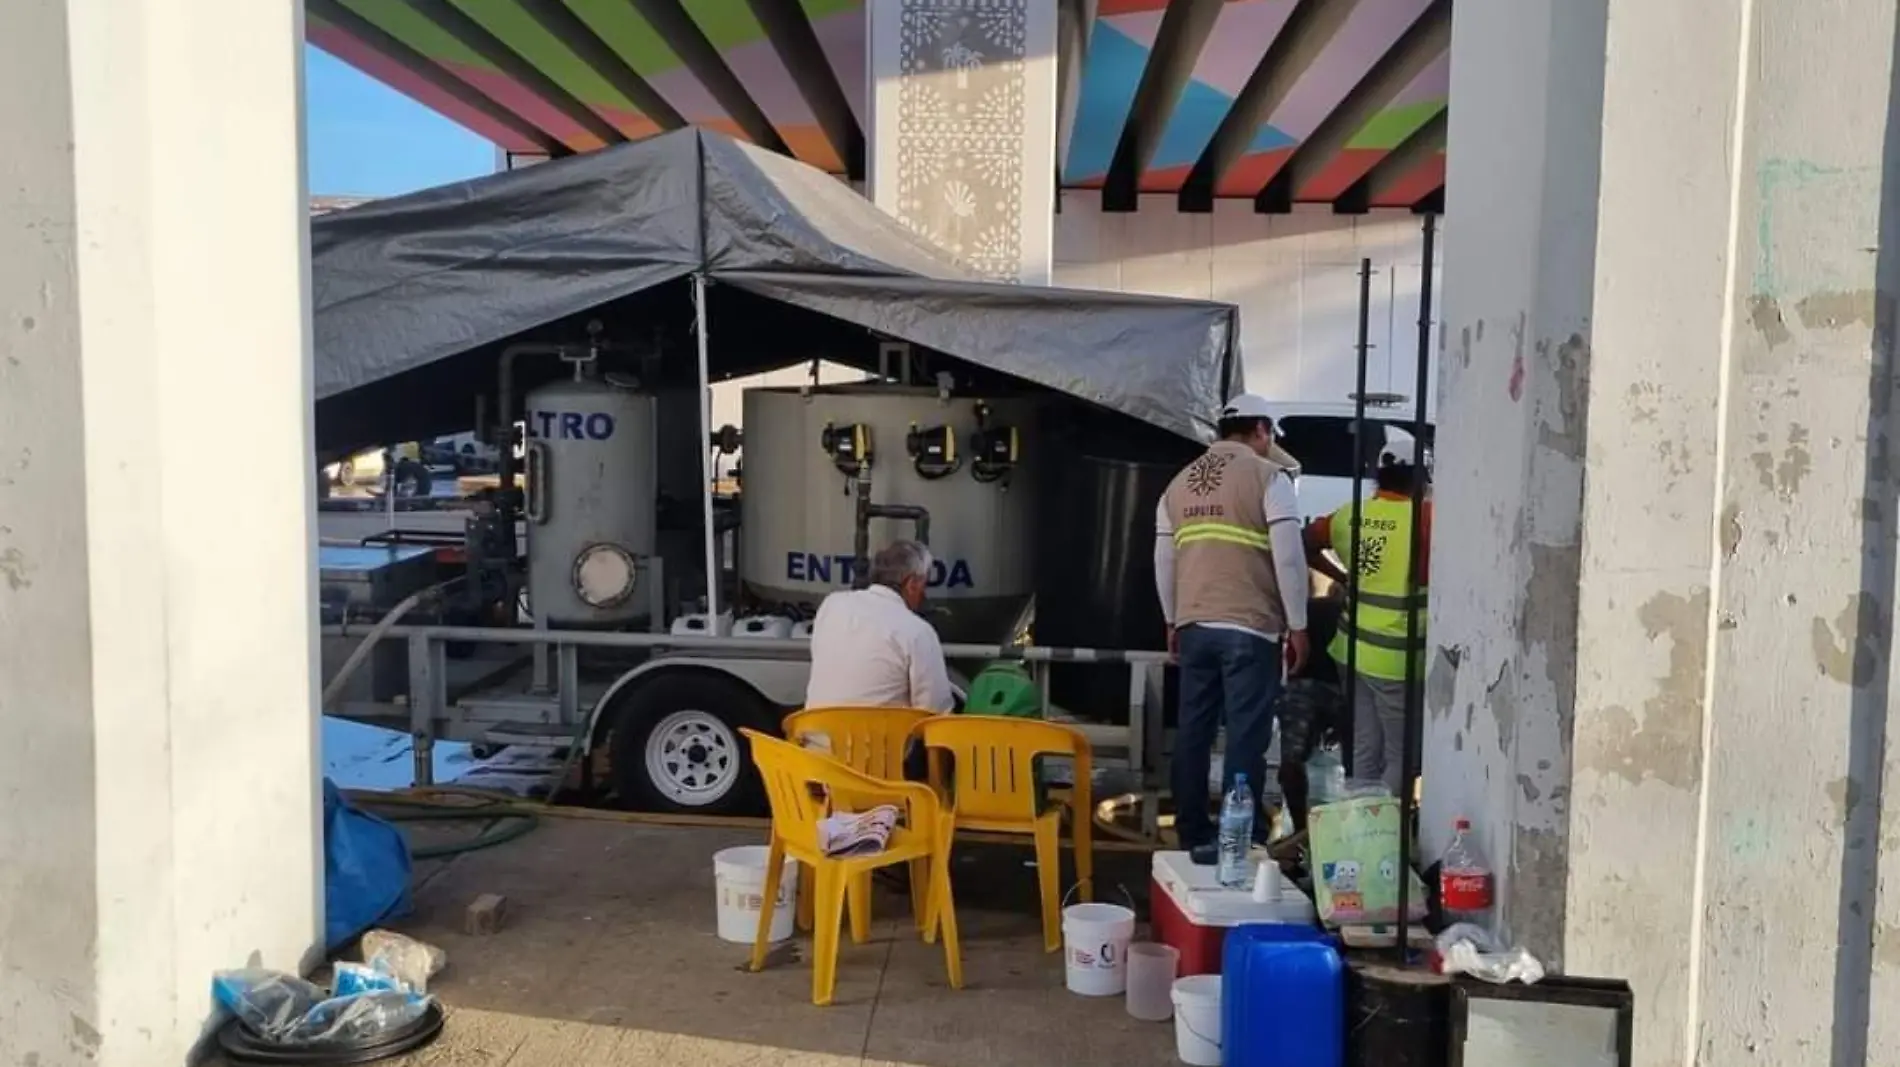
(1278, 101)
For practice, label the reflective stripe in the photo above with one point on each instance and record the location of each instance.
(1392, 603)
(1220, 531)
(1379, 640)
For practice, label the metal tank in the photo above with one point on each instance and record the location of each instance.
(963, 460)
(591, 498)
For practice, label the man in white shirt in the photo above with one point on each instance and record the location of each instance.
(1230, 571)
(870, 648)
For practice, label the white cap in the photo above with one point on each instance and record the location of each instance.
(1247, 406)
(1401, 450)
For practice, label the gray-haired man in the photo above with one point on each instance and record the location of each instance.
(870, 648)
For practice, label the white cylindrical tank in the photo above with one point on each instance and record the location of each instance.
(591, 502)
(798, 511)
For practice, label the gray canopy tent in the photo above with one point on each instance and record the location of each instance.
(415, 296)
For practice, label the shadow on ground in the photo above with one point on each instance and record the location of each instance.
(608, 956)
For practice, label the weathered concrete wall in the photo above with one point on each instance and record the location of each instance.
(158, 805)
(1669, 707)
(1513, 373)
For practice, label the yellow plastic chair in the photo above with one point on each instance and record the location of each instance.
(923, 838)
(869, 740)
(993, 767)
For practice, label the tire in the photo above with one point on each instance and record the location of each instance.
(412, 481)
(345, 473)
(676, 746)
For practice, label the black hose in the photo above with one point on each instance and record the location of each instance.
(508, 823)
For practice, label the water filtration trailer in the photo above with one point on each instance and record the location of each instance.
(591, 501)
(963, 460)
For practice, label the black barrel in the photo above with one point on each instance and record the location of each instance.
(1395, 1017)
(1095, 584)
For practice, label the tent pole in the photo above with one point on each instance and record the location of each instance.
(708, 468)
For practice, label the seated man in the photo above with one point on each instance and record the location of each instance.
(870, 648)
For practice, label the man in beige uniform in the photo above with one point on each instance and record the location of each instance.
(1230, 570)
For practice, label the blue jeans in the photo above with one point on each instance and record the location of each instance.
(1232, 678)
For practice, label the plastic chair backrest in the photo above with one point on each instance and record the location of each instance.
(788, 772)
(870, 740)
(993, 760)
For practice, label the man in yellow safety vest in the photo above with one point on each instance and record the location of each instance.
(1231, 575)
(1386, 596)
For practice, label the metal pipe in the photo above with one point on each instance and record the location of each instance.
(1351, 681)
(800, 649)
(1408, 729)
(506, 401)
(708, 482)
(861, 526)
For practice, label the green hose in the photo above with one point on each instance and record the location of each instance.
(507, 824)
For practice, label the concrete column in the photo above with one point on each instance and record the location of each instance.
(963, 128)
(158, 808)
(1664, 593)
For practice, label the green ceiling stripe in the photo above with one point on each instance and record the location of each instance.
(519, 31)
(726, 23)
(1389, 128)
(629, 35)
(405, 24)
(818, 9)
(825, 8)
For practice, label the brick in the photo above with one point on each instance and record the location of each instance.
(485, 915)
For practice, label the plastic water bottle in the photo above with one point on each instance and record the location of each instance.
(1236, 835)
(1464, 878)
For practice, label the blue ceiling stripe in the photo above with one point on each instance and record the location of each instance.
(1110, 77)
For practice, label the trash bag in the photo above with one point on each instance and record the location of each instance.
(366, 1007)
(365, 870)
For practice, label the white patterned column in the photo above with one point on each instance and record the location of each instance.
(963, 128)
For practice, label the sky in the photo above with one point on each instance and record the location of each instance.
(366, 139)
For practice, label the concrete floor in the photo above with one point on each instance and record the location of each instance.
(608, 957)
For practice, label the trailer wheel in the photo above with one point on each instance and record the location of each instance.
(677, 747)
(412, 480)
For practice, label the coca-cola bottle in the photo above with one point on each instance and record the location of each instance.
(1464, 879)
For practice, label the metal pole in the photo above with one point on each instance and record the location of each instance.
(1408, 729)
(708, 485)
(1350, 682)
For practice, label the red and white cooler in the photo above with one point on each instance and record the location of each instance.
(1190, 910)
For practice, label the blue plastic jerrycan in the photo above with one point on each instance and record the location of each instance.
(1283, 998)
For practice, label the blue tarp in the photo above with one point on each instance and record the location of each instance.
(365, 870)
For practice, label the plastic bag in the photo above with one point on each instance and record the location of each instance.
(270, 1003)
(1467, 949)
(410, 961)
(365, 870)
(283, 1009)
(1355, 850)
(1326, 774)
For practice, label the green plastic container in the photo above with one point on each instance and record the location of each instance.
(1004, 688)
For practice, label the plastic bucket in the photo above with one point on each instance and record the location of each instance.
(1197, 1020)
(1095, 943)
(1151, 968)
(739, 883)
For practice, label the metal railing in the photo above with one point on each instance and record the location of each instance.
(430, 706)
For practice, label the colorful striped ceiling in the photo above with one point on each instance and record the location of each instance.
(1281, 101)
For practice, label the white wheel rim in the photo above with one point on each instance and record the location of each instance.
(692, 758)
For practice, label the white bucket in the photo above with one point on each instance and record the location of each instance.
(1095, 942)
(1197, 1020)
(739, 883)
